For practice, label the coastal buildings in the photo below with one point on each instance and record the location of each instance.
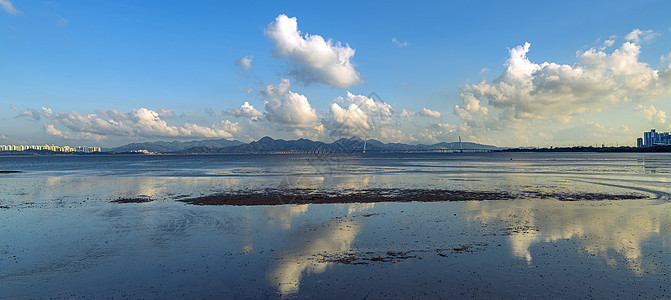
(54, 148)
(654, 138)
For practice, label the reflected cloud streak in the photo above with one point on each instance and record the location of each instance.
(603, 228)
(331, 238)
(283, 215)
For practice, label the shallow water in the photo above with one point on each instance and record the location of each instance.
(61, 236)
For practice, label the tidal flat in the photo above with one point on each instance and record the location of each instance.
(492, 225)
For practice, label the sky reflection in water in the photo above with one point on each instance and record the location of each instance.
(60, 235)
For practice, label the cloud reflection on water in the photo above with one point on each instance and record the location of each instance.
(602, 228)
(283, 215)
(330, 238)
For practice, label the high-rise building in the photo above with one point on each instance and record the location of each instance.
(53, 148)
(654, 138)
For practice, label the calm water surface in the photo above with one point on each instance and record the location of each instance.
(61, 236)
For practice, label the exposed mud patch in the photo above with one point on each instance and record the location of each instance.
(352, 258)
(139, 199)
(305, 196)
(309, 196)
(365, 258)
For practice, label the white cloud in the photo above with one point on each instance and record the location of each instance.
(406, 113)
(639, 36)
(288, 108)
(3, 137)
(245, 63)
(361, 116)
(665, 59)
(166, 113)
(444, 132)
(377, 109)
(470, 108)
(399, 43)
(245, 111)
(528, 93)
(351, 119)
(429, 113)
(9, 7)
(32, 113)
(312, 58)
(141, 122)
(608, 43)
(650, 113)
(68, 135)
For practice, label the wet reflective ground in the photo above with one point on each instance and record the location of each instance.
(62, 236)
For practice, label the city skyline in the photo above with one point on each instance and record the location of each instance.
(120, 72)
(52, 147)
(653, 138)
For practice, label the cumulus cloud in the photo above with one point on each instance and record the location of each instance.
(68, 135)
(8, 7)
(245, 63)
(639, 36)
(140, 122)
(406, 113)
(288, 108)
(360, 115)
(32, 113)
(399, 43)
(165, 113)
(652, 114)
(352, 118)
(429, 113)
(528, 91)
(245, 111)
(377, 109)
(313, 59)
(444, 132)
(470, 108)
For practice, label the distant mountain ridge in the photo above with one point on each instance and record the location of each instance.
(174, 146)
(344, 145)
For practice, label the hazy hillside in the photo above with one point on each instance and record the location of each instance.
(268, 144)
(174, 146)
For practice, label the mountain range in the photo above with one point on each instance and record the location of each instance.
(269, 145)
(165, 147)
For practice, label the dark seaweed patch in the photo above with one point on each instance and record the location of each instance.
(310, 196)
(304, 196)
(139, 199)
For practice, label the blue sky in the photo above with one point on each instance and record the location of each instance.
(112, 72)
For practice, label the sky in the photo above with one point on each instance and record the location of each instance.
(523, 73)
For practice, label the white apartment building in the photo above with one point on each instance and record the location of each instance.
(54, 148)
